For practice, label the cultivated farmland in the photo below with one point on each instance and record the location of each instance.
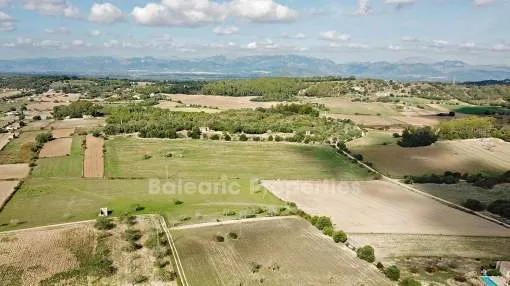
(93, 166)
(19, 149)
(471, 156)
(66, 166)
(61, 133)
(67, 255)
(355, 206)
(284, 251)
(56, 148)
(14, 171)
(7, 188)
(87, 123)
(220, 102)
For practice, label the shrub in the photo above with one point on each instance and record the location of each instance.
(215, 137)
(160, 263)
(195, 133)
(167, 276)
(328, 230)
(227, 137)
(132, 235)
(366, 253)
(409, 282)
(278, 138)
(229, 213)
(392, 272)
(474, 205)
(500, 207)
(460, 278)
(104, 223)
(493, 272)
(137, 207)
(178, 202)
(379, 265)
(139, 279)
(36, 118)
(219, 238)
(321, 222)
(340, 236)
(270, 138)
(415, 137)
(42, 138)
(147, 157)
(243, 137)
(232, 235)
(256, 138)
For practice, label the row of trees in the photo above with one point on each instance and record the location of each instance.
(293, 118)
(268, 89)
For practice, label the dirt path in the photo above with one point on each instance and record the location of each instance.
(177, 258)
(207, 224)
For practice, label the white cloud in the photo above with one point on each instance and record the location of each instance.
(400, 3)
(334, 36)
(262, 11)
(192, 13)
(408, 39)
(6, 22)
(483, 2)
(59, 30)
(504, 47)
(252, 45)
(95, 33)
(105, 13)
(226, 30)
(52, 7)
(394, 47)
(364, 7)
(439, 43)
(179, 13)
(4, 3)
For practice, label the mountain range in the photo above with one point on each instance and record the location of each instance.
(220, 67)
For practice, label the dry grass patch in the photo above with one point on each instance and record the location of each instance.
(465, 156)
(62, 133)
(7, 188)
(93, 165)
(29, 257)
(78, 123)
(4, 139)
(286, 251)
(56, 148)
(14, 171)
(381, 207)
(221, 102)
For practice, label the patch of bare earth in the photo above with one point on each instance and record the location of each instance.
(62, 133)
(221, 102)
(14, 171)
(381, 207)
(7, 188)
(93, 164)
(56, 148)
(28, 257)
(78, 123)
(286, 251)
(4, 139)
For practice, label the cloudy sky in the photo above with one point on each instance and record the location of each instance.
(475, 31)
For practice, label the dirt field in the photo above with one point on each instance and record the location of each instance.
(4, 139)
(78, 122)
(14, 171)
(472, 156)
(221, 102)
(381, 207)
(7, 93)
(56, 148)
(93, 165)
(51, 99)
(27, 258)
(289, 251)
(62, 133)
(6, 190)
(64, 255)
(391, 246)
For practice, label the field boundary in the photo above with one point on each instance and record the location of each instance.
(440, 200)
(177, 259)
(228, 222)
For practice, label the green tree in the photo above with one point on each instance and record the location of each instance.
(366, 253)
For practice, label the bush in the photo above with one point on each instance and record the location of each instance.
(147, 157)
(409, 282)
(416, 137)
(278, 138)
(493, 272)
(227, 137)
(460, 278)
(139, 279)
(178, 202)
(340, 236)
(215, 137)
(132, 235)
(219, 238)
(321, 222)
(474, 205)
(379, 265)
(229, 213)
(104, 223)
(42, 138)
(500, 207)
(366, 253)
(243, 137)
(392, 272)
(36, 118)
(328, 230)
(167, 276)
(270, 138)
(232, 235)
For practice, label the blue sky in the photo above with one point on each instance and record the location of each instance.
(475, 31)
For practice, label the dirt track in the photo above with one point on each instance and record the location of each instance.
(93, 164)
(381, 207)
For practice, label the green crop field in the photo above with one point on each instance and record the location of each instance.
(67, 166)
(19, 149)
(213, 159)
(209, 177)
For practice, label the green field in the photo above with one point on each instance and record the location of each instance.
(19, 149)
(209, 177)
(68, 166)
(213, 159)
